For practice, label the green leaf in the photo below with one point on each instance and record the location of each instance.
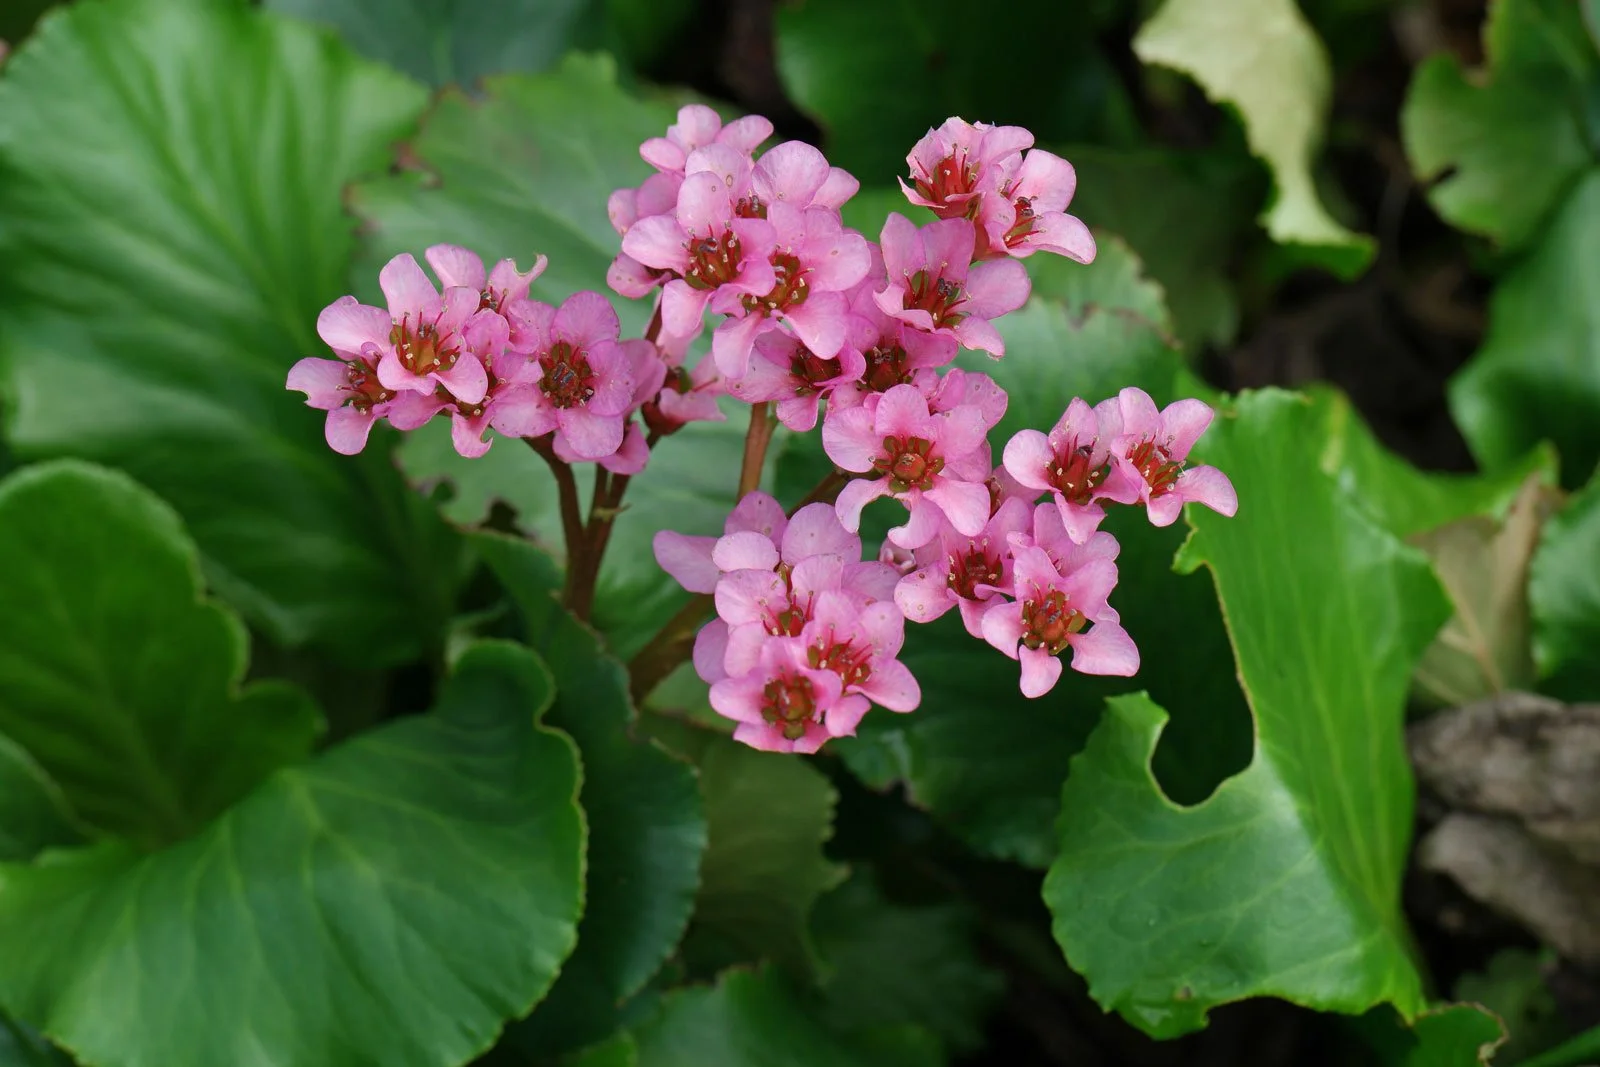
(1453, 1036)
(892, 965)
(877, 76)
(34, 814)
(1537, 376)
(21, 1047)
(1504, 143)
(527, 171)
(1577, 1052)
(1564, 596)
(393, 901)
(986, 761)
(115, 674)
(1512, 986)
(748, 1019)
(1286, 881)
(455, 41)
(769, 815)
(1263, 58)
(175, 289)
(647, 830)
(619, 1051)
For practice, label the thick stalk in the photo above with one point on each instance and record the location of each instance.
(571, 517)
(756, 440)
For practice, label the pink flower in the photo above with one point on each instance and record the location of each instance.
(786, 371)
(657, 196)
(892, 352)
(1070, 463)
(815, 261)
(932, 463)
(504, 285)
(689, 559)
(1028, 214)
(1050, 615)
(687, 396)
(964, 572)
(1148, 450)
(708, 248)
(934, 287)
(859, 643)
(698, 126)
(785, 704)
(584, 388)
(424, 347)
(503, 407)
(346, 388)
(796, 174)
(960, 161)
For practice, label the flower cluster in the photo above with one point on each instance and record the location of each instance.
(818, 324)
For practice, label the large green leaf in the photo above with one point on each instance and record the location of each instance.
(1285, 882)
(20, 1047)
(876, 76)
(1564, 596)
(984, 759)
(647, 829)
(1505, 143)
(1262, 57)
(1537, 376)
(391, 902)
(456, 41)
(114, 674)
(527, 171)
(33, 811)
(153, 305)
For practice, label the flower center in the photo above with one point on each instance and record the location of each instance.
(790, 290)
(937, 295)
(791, 701)
(811, 372)
(852, 665)
(750, 207)
(886, 368)
(1072, 475)
(1048, 620)
(420, 348)
(714, 261)
(792, 617)
(1024, 224)
(363, 387)
(976, 566)
(909, 463)
(568, 380)
(1156, 468)
(470, 411)
(952, 176)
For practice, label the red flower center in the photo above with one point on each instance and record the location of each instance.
(1048, 620)
(790, 289)
(1160, 472)
(420, 348)
(810, 372)
(568, 380)
(909, 462)
(852, 665)
(937, 295)
(1024, 224)
(976, 566)
(714, 261)
(792, 617)
(1072, 475)
(952, 176)
(750, 207)
(790, 700)
(886, 368)
(363, 388)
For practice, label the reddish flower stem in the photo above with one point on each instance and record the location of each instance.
(571, 518)
(756, 440)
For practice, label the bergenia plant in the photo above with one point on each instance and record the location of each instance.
(796, 625)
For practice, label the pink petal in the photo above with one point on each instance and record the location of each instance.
(613, 379)
(1182, 423)
(662, 153)
(1040, 672)
(924, 594)
(746, 133)
(745, 550)
(819, 323)
(856, 496)
(902, 249)
(467, 381)
(840, 186)
(657, 241)
(1105, 648)
(704, 209)
(1079, 521)
(683, 308)
(792, 171)
(1089, 585)
(732, 341)
(585, 319)
(1140, 419)
(347, 325)
(1047, 179)
(1032, 569)
(743, 596)
(346, 430)
(467, 435)
(710, 649)
(947, 245)
(408, 410)
(1063, 234)
(846, 715)
(869, 580)
(758, 512)
(739, 698)
(980, 336)
(511, 283)
(392, 374)
(687, 559)
(1028, 457)
(815, 530)
(588, 435)
(850, 438)
(1208, 486)
(996, 288)
(923, 522)
(902, 412)
(322, 380)
(406, 288)
(962, 431)
(965, 504)
(455, 265)
(1002, 626)
(521, 411)
(631, 457)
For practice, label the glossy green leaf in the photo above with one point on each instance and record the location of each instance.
(1564, 596)
(647, 829)
(1263, 58)
(751, 1019)
(877, 76)
(769, 815)
(896, 965)
(445, 42)
(986, 761)
(34, 814)
(1457, 1035)
(1505, 143)
(1512, 986)
(1537, 376)
(393, 901)
(1286, 881)
(152, 308)
(115, 675)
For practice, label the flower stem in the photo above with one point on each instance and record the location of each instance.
(756, 440)
(671, 646)
(571, 517)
